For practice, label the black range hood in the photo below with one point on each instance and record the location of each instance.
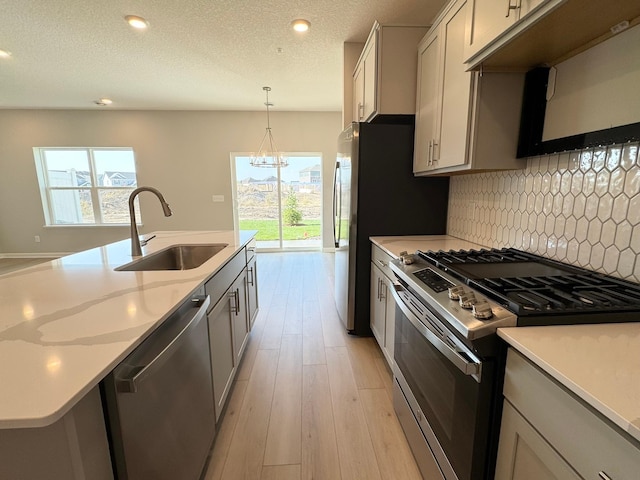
(534, 102)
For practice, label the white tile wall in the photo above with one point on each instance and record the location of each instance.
(580, 207)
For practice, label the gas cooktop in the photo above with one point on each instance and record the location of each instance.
(541, 291)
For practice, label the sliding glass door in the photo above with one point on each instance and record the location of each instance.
(283, 204)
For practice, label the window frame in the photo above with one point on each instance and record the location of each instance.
(46, 189)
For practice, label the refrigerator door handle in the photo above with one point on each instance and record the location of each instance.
(336, 207)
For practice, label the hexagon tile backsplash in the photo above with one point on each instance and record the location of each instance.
(580, 207)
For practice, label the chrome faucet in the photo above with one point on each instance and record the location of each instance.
(136, 250)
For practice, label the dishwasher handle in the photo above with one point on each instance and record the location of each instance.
(136, 375)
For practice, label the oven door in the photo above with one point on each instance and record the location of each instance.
(447, 388)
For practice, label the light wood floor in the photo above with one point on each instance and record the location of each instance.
(310, 401)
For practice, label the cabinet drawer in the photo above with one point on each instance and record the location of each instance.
(381, 259)
(219, 283)
(586, 440)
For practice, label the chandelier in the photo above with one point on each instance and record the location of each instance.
(268, 155)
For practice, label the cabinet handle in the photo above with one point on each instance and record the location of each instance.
(232, 300)
(510, 7)
(382, 263)
(378, 289)
(429, 152)
(433, 152)
(604, 476)
(236, 302)
(360, 110)
(250, 282)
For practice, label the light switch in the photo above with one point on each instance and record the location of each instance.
(217, 198)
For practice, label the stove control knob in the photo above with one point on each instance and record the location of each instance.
(482, 310)
(467, 299)
(455, 292)
(406, 258)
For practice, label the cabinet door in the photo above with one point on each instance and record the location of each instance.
(221, 344)
(370, 80)
(252, 291)
(390, 323)
(426, 102)
(377, 311)
(358, 94)
(239, 317)
(523, 454)
(450, 149)
(528, 6)
(487, 19)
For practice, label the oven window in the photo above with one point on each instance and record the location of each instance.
(451, 401)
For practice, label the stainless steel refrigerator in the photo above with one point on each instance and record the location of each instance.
(376, 194)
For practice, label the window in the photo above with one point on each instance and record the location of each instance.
(86, 186)
(283, 204)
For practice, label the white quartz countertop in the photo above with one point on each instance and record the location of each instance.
(410, 243)
(65, 324)
(599, 363)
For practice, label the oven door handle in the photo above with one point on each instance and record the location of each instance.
(465, 366)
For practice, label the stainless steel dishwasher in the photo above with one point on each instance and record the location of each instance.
(160, 401)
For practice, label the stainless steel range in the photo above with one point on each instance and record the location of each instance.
(449, 362)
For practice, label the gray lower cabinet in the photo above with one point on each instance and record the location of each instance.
(222, 351)
(382, 306)
(525, 454)
(239, 318)
(72, 448)
(233, 292)
(549, 433)
(252, 290)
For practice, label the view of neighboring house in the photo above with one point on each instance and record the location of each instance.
(311, 174)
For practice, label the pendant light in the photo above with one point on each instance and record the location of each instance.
(268, 155)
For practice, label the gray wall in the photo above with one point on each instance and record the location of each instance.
(185, 154)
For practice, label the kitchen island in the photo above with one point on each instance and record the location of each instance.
(65, 324)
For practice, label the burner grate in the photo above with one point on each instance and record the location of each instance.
(530, 285)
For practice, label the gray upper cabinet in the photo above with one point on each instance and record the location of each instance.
(506, 34)
(492, 23)
(465, 122)
(384, 77)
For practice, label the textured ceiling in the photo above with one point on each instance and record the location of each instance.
(196, 54)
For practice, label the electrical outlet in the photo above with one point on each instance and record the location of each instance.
(37, 238)
(217, 198)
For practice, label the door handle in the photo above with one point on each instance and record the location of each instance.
(336, 207)
(459, 358)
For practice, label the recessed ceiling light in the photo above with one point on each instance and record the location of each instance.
(301, 25)
(103, 101)
(136, 22)
(4, 54)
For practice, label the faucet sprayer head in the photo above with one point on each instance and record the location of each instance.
(166, 209)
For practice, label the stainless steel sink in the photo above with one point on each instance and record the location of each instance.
(175, 257)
